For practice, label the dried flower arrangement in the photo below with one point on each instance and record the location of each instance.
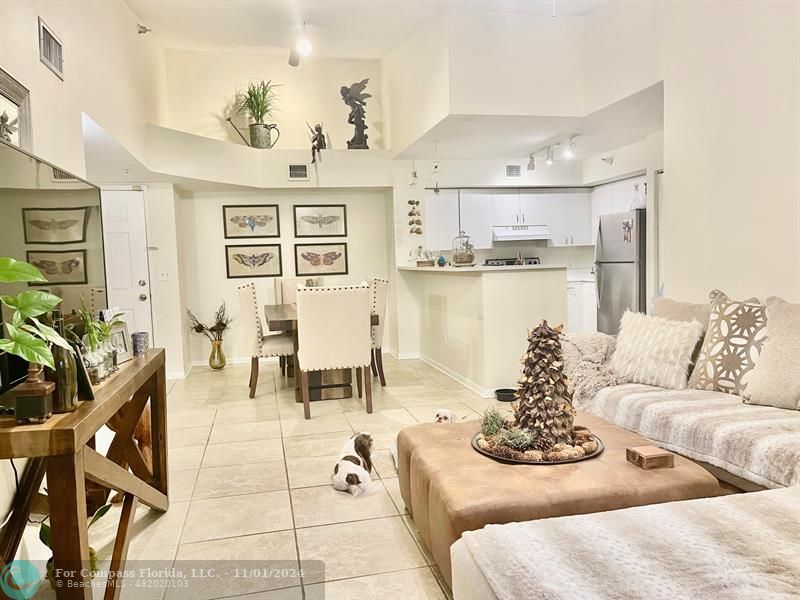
(221, 322)
(542, 428)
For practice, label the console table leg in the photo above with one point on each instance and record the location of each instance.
(69, 525)
(158, 406)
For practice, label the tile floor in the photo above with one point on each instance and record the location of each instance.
(250, 479)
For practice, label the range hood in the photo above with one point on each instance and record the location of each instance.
(520, 233)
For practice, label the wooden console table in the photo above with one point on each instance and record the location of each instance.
(63, 448)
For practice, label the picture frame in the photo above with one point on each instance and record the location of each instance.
(320, 259)
(54, 226)
(85, 391)
(320, 220)
(251, 221)
(255, 260)
(15, 103)
(121, 340)
(60, 267)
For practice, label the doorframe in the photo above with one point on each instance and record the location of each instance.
(148, 248)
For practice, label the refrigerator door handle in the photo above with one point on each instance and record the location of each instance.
(597, 278)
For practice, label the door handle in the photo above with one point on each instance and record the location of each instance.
(523, 217)
(517, 219)
(142, 297)
(142, 283)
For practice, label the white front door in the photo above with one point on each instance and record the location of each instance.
(127, 269)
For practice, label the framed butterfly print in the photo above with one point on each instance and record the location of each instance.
(320, 259)
(320, 220)
(259, 260)
(55, 225)
(59, 267)
(251, 221)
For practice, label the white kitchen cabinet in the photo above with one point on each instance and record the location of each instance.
(579, 219)
(476, 217)
(567, 213)
(440, 220)
(581, 307)
(536, 208)
(506, 207)
(620, 196)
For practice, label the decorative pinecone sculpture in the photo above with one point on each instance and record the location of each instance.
(545, 403)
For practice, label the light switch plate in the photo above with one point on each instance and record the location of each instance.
(164, 276)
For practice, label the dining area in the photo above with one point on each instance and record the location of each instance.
(325, 338)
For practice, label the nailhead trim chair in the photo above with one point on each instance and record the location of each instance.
(379, 293)
(333, 330)
(286, 287)
(263, 346)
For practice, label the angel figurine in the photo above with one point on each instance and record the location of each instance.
(318, 143)
(6, 128)
(356, 98)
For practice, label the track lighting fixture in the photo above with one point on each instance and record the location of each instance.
(301, 47)
(141, 29)
(569, 149)
(549, 159)
(532, 163)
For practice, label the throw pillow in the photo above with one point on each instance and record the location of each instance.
(654, 351)
(775, 380)
(674, 310)
(735, 336)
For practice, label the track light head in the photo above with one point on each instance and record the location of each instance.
(549, 157)
(532, 163)
(569, 149)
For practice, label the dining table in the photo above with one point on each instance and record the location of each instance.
(332, 384)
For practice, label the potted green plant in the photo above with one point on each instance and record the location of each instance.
(259, 102)
(222, 321)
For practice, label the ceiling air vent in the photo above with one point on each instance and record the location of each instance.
(298, 172)
(513, 171)
(50, 50)
(60, 176)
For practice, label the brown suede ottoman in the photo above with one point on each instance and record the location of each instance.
(449, 488)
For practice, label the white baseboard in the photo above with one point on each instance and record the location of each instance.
(177, 374)
(480, 390)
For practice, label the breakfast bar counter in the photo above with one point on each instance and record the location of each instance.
(473, 321)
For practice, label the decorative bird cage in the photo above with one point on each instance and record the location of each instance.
(462, 251)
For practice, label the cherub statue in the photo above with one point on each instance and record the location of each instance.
(318, 143)
(356, 98)
(6, 128)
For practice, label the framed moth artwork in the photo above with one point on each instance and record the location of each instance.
(59, 267)
(55, 225)
(251, 221)
(15, 112)
(320, 259)
(258, 260)
(320, 220)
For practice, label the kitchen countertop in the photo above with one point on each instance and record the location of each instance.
(482, 268)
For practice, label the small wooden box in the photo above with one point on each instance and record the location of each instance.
(650, 457)
(425, 263)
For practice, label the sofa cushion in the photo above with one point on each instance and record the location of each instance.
(775, 380)
(757, 443)
(735, 336)
(654, 351)
(675, 310)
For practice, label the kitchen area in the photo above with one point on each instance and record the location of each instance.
(494, 261)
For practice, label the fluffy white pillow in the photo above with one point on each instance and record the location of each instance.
(655, 351)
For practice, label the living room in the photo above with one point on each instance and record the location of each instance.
(197, 196)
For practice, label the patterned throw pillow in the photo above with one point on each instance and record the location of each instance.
(654, 351)
(734, 338)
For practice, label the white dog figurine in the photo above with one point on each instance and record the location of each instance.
(352, 472)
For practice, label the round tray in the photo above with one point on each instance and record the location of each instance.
(512, 461)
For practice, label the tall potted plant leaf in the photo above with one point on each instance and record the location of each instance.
(259, 103)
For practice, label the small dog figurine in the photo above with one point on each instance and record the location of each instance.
(444, 415)
(352, 472)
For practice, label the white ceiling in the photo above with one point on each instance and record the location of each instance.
(496, 136)
(340, 28)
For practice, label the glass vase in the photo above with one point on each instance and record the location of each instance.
(217, 358)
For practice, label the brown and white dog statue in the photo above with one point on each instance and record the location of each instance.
(352, 472)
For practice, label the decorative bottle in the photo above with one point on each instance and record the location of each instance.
(65, 375)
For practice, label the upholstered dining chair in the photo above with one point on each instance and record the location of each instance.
(263, 346)
(379, 294)
(286, 287)
(333, 331)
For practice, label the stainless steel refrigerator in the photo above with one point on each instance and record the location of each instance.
(619, 267)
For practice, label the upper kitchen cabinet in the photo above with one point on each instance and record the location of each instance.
(475, 208)
(506, 207)
(567, 213)
(441, 219)
(620, 196)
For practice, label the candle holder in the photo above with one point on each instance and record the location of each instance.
(33, 400)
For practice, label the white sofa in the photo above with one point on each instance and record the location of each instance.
(757, 444)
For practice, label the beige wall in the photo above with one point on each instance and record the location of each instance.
(203, 250)
(110, 72)
(731, 144)
(202, 85)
